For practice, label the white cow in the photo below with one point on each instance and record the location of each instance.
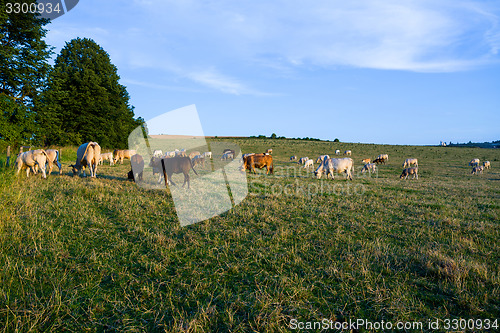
(29, 159)
(486, 164)
(107, 157)
(157, 153)
(322, 158)
(370, 167)
(53, 158)
(308, 163)
(207, 154)
(477, 169)
(227, 156)
(474, 162)
(87, 155)
(409, 161)
(335, 165)
(383, 157)
(303, 160)
(337, 152)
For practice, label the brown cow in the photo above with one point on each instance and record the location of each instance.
(178, 164)
(260, 161)
(137, 164)
(379, 161)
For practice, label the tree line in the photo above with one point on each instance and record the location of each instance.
(78, 99)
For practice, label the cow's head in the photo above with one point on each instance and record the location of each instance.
(74, 169)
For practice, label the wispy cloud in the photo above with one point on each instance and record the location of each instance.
(409, 35)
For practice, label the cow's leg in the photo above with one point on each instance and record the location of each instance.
(28, 172)
(186, 179)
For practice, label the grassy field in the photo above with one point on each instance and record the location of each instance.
(82, 254)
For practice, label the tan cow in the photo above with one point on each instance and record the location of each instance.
(366, 161)
(29, 159)
(87, 155)
(120, 154)
(409, 171)
(486, 164)
(348, 153)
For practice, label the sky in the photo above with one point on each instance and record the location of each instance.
(387, 72)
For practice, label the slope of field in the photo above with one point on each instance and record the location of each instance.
(102, 254)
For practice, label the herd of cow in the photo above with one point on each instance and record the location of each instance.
(178, 161)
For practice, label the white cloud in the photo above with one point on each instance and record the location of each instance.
(392, 34)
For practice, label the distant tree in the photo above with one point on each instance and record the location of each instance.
(336, 140)
(84, 101)
(23, 68)
(273, 136)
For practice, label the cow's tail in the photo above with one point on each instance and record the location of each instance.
(86, 149)
(192, 167)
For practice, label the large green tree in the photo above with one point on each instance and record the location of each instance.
(84, 100)
(24, 65)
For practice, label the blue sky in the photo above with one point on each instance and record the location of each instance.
(392, 71)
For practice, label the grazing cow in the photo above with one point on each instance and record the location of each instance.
(366, 160)
(155, 164)
(258, 161)
(486, 164)
(348, 153)
(321, 158)
(87, 155)
(269, 151)
(193, 154)
(335, 165)
(227, 156)
(207, 154)
(137, 164)
(379, 161)
(293, 158)
(409, 171)
(474, 162)
(178, 164)
(245, 155)
(370, 167)
(198, 159)
(409, 161)
(309, 163)
(53, 158)
(303, 160)
(157, 153)
(337, 152)
(383, 157)
(227, 150)
(30, 159)
(120, 154)
(106, 157)
(477, 170)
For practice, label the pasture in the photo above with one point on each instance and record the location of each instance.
(81, 254)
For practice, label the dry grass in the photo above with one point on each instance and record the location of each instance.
(102, 254)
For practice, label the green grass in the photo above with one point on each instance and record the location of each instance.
(82, 254)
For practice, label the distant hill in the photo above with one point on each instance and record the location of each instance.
(492, 144)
